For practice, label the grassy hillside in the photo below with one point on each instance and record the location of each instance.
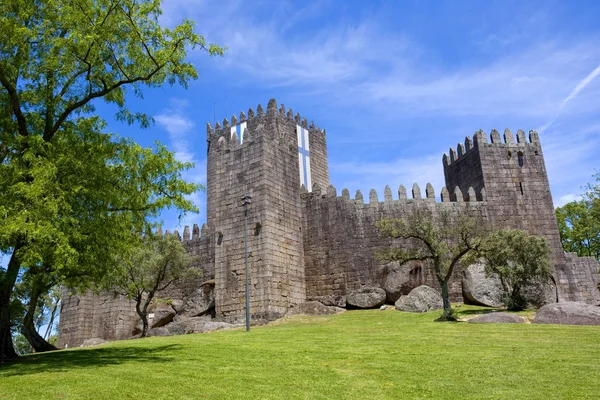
(359, 354)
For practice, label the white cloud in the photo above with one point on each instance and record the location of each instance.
(179, 127)
(580, 86)
(567, 198)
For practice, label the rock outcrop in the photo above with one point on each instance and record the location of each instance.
(420, 299)
(188, 325)
(314, 308)
(199, 302)
(366, 297)
(480, 289)
(93, 342)
(568, 313)
(399, 280)
(161, 316)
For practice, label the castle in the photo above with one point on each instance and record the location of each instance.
(306, 242)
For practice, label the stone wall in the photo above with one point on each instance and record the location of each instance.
(341, 240)
(578, 279)
(107, 316)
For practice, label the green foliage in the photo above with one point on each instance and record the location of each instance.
(71, 197)
(443, 239)
(22, 346)
(58, 55)
(160, 261)
(579, 223)
(518, 259)
(369, 354)
(579, 227)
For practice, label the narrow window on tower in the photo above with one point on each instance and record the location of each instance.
(521, 159)
(521, 188)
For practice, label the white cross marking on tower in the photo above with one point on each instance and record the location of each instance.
(304, 157)
(239, 129)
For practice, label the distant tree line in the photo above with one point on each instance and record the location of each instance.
(579, 222)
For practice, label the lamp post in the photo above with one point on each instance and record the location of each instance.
(247, 200)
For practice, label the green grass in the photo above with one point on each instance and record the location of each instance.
(358, 354)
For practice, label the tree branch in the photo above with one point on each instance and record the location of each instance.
(14, 103)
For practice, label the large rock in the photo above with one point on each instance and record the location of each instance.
(568, 313)
(497, 317)
(93, 342)
(334, 301)
(366, 297)
(480, 289)
(161, 316)
(162, 331)
(196, 325)
(398, 280)
(199, 302)
(539, 294)
(420, 299)
(314, 308)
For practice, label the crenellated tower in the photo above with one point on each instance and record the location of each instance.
(512, 176)
(268, 156)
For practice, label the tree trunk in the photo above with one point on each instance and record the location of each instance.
(448, 313)
(7, 284)
(35, 340)
(51, 323)
(143, 315)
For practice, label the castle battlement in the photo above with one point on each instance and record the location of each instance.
(197, 234)
(231, 132)
(480, 140)
(445, 197)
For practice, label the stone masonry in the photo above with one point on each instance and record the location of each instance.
(309, 243)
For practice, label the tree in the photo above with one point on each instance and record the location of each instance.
(579, 228)
(518, 259)
(160, 261)
(57, 58)
(444, 239)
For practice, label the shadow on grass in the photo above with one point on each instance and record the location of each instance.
(59, 361)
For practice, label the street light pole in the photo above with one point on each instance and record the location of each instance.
(247, 200)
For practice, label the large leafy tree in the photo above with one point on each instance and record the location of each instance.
(57, 57)
(443, 238)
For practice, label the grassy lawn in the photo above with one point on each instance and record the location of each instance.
(358, 354)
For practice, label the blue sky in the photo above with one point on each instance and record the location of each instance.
(395, 84)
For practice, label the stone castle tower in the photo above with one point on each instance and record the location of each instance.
(308, 243)
(258, 155)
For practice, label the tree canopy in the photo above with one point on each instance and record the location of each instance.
(159, 262)
(443, 239)
(518, 259)
(70, 195)
(579, 223)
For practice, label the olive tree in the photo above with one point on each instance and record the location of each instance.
(443, 238)
(159, 262)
